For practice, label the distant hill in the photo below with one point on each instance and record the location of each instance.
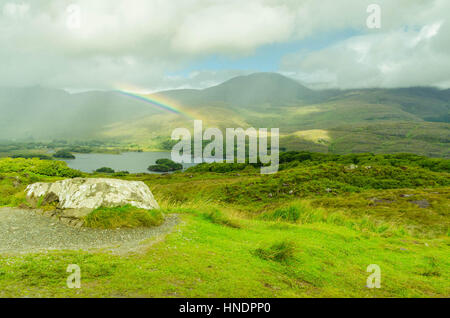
(252, 91)
(327, 120)
(44, 113)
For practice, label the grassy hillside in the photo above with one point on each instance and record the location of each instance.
(309, 231)
(423, 138)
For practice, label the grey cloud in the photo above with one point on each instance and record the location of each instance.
(140, 41)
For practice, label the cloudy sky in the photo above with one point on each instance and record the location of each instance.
(161, 44)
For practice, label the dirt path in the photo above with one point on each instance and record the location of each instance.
(24, 231)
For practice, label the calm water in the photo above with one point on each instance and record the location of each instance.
(133, 162)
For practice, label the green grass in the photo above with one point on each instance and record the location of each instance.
(292, 213)
(280, 252)
(204, 259)
(123, 217)
(236, 240)
(218, 217)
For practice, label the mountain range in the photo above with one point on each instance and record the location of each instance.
(414, 119)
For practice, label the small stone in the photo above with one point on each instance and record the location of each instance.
(23, 206)
(376, 200)
(65, 221)
(421, 203)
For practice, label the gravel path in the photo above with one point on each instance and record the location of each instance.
(24, 231)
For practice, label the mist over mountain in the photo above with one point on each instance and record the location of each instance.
(43, 113)
(253, 90)
(258, 100)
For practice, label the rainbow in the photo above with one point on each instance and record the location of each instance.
(157, 100)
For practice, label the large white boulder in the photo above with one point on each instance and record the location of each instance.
(78, 197)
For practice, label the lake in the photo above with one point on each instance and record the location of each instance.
(133, 162)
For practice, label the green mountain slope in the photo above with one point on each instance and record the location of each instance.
(330, 120)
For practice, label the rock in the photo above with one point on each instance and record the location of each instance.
(23, 206)
(422, 203)
(376, 200)
(406, 195)
(49, 198)
(75, 198)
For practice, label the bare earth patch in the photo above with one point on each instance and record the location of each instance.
(24, 231)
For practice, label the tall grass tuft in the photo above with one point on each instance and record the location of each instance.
(279, 252)
(217, 217)
(295, 212)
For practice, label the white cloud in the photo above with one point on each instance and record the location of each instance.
(392, 59)
(139, 41)
(234, 26)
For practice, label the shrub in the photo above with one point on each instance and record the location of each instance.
(80, 149)
(165, 165)
(123, 217)
(121, 174)
(279, 252)
(105, 170)
(38, 167)
(159, 168)
(63, 154)
(31, 156)
(293, 159)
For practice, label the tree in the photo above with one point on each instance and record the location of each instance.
(165, 165)
(105, 170)
(63, 154)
